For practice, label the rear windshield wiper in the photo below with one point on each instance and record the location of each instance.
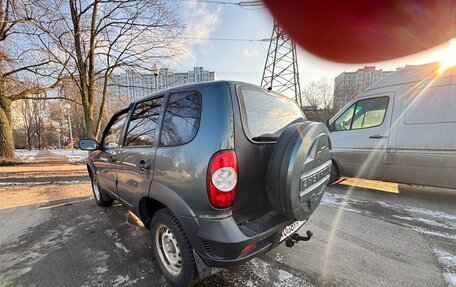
(275, 135)
(265, 138)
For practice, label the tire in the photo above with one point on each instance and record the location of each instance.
(299, 169)
(175, 259)
(334, 174)
(102, 198)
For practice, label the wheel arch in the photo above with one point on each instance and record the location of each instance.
(161, 196)
(337, 164)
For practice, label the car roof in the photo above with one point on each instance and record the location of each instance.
(196, 86)
(411, 74)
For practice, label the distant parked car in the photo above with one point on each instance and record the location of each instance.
(220, 172)
(401, 129)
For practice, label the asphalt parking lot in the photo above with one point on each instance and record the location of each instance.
(53, 234)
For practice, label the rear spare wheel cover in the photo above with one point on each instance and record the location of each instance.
(299, 169)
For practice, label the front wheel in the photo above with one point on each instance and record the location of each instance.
(172, 249)
(334, 174)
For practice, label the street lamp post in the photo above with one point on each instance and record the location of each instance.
(68, 107)
(155, 71)
(58, 137)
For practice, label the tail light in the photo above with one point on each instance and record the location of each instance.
(222, 178)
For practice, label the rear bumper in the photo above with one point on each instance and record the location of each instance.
(220, 243)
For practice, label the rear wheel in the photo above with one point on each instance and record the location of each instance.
(172, 250)
(102, 198)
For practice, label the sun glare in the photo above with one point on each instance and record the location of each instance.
(447, 57)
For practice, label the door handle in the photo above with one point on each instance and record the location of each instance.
(142, 165)
(112, 159)
(377, 136)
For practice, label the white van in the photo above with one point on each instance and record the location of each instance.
(401, 129)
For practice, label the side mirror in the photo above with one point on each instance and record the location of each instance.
(88, 144)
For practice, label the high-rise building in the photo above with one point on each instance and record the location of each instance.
(135, 85)
(349, 84)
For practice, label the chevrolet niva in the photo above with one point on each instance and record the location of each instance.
(219, 172)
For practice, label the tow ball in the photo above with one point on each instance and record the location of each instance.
(295, 238)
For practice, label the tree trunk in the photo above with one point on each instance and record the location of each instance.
(6, 129)
(88, 119)
(102, 105)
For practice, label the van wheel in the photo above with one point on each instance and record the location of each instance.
(334, 174)
(102, 198)
(172, 250)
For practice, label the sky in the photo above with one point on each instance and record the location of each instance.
(244, 61)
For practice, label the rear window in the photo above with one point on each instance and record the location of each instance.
(265, 113)
(181, 118)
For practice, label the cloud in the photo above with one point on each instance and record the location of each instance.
(249, 53)
(200, 22)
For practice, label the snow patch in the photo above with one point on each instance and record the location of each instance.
(434, 233)
(25, 155)
(340, 201)
(122, 247)
(100, 270)
(123, 281)
(279, 257)
(112, 233)
(417, 210)
(74, 156)
(33, 183)
(426, 221)
(448, 261)
(283, 278)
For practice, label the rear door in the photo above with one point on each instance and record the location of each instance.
(360, 136)
(104, 159)
(136, 157)
(261, 117)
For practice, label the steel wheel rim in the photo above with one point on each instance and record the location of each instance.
(168, 249)
(96, 189)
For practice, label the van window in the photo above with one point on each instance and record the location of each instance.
(369, 113)
(363, 114)
(182, 118)
(431, 105)
(344, 121)
(143, 123)
(264, 114)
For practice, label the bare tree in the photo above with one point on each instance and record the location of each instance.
(26, 69)
(318, 100)
(102, 36)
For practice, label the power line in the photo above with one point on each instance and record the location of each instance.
(226, 39)
(242, 4)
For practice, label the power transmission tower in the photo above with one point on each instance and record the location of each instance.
(281, 72)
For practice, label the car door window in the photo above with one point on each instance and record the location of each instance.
(369, 113)
(112, 137)
(144, 122)
(344, 121)
(363, 114)
(181, 119)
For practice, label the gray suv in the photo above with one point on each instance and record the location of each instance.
(219, 172)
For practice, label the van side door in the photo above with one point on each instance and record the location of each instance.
(360, 136)
(425, 150)
(136, 157)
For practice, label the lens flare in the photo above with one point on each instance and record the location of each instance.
(447, 57)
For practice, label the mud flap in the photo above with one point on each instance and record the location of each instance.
(204, 270)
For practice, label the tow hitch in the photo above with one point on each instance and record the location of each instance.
(295, 238)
